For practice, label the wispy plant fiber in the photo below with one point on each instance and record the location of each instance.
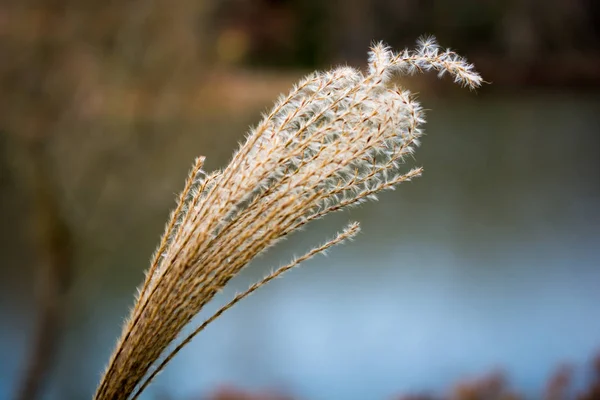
(337, 139)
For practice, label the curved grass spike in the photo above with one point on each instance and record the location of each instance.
(337, 139)
(348, 233)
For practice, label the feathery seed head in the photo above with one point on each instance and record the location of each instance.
(337, 139)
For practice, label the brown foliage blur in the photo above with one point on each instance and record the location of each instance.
(66, 65)
(231, 393)
(493, 386)
(526, 42)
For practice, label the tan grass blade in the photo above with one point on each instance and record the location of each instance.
(337, 139)
(348, 233)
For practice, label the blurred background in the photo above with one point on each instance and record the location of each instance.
(479, 280)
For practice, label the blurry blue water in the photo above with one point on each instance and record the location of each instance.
(424, 318)
(490, 260)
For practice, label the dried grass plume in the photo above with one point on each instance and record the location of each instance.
(337, 139)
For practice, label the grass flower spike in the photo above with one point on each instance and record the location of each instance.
(337, 139)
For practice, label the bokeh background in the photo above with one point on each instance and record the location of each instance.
(480, 279)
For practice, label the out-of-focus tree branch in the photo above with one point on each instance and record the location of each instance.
(63, 62)
(53, 241)
(31, 111)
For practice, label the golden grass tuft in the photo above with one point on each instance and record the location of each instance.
(337, 139)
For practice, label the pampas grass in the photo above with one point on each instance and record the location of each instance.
(336, 140)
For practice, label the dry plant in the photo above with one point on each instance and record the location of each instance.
(337, 139)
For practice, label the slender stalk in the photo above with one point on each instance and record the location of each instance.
(337, 139)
